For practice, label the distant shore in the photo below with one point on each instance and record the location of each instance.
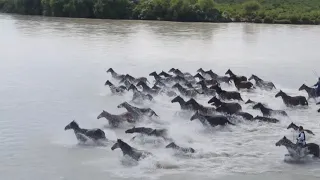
(223, 11)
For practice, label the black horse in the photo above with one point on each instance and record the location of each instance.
(205, 89)
(267, 111)
(115, 120)
(148, 131)
(230, 73)
(241, 84)
(310, 148)
(114, 89)
(244, 115)
(84, 134)
(292, 100)
(312, 92)
(186, 92)
(229, 108)
(182, 103)
(115, 75)
(147, 89)
(295, 127)
(229, 95)
(130, 151)
(267, 85)
(198, 107)
(182, 149)
(266, 119)
(212, 120)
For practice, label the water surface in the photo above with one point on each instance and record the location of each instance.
(53, 71)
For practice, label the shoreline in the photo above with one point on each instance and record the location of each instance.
(253, 21)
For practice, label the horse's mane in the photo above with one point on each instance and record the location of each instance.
(124, 145)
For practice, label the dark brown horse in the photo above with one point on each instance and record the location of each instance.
(241, 84)
(229, 95)
(242, 78)
(292, 100)
(312, 93)
(267, 111)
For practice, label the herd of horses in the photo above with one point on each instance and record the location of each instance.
(184, 88)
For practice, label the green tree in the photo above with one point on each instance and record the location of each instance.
(251, 7)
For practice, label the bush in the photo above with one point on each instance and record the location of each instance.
(268, 19)
(251, 7)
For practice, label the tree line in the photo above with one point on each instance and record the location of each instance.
(258, 11)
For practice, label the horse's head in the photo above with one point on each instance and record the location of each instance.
(195, 116)
(101, 114)
(249, 102)
(172, 70)
(116, 145)
(198, 76)
(257, 106)
(214, 100)
(229, 72)
(129, 77)
(280, 93)
(292, 125)
(130, 131)
(171, 145)
(200, 70)
(122, 105)
(302, 87)
(319, 110)
(132, 87)
(252, 77)
(108, 83)
(110, 70)
(282, 141)
(176, 99)
(72, 125)
(177, 71)
(153, 74)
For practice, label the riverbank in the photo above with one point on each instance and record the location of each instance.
(255, 11)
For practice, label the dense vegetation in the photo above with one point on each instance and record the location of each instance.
(259, 11)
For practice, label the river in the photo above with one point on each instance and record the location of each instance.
(53, 70)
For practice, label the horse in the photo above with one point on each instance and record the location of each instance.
(84, 134)
(244, 115)
(205, 89)
(164, 74)
(295, 127)
(135, 80)
(147, 89)
(198, 107)
(267, 85)
(310, 148)
(266, 119)
(148, 131)
(292, 100)
(156, 76)
(230, 108)
(312, 92)
(212, 120)
(130, 151)
(230, 73)
(186, 92)
(114, 89)
(182, 149)
(207, 82)
(137, 95)
(229, 95)
(216, 77)
(182, 103)
(137, 112)
(115, 75)
(241, 84)
(267, 111)
(115, 120)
